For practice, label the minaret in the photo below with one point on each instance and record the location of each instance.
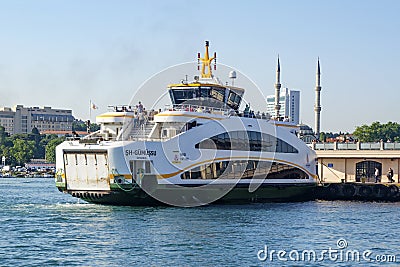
(277, 90)
(317, 106)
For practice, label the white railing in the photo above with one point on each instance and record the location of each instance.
(215, 110)
(355, 146)
(197, 108)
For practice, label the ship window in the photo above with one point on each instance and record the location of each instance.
(234, 100)
(181, 95)
(147, 167)
(218, 94)
(245, 169)
(204, 92)
(195, 173)
(247, 141)
(235, 144)
(206, 144)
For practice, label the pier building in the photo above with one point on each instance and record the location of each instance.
(356, 162)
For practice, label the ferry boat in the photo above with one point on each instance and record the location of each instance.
(199, 150)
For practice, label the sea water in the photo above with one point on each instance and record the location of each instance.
(43, 227)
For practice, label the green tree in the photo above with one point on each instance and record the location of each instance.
(10, 159)
(51, 149)
(377, 131)
(36, 137)
(3, 135)
(79, 125)
(322, 137)
(22, 151)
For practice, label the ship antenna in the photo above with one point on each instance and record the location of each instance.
(206, 63)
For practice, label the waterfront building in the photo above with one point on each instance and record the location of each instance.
(306, 133)
(22, 119)
(351, 162)
(7, 119)
(289, 102)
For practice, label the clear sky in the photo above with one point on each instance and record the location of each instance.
(64, 53)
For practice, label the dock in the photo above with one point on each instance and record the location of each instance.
(389, 192)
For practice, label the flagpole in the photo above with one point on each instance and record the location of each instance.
(90, 110)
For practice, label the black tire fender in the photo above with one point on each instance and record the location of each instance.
(349, 190)
(365, 191)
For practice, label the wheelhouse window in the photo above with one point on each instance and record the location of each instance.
(213, 96)
(234, 100)
(179, 96)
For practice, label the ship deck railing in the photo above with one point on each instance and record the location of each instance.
(218, 111)
(197, 108)
(381, 145)
(97, 136)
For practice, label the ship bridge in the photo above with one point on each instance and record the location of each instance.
(211, 95)
(206, 90)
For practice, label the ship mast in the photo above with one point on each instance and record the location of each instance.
(206, 63)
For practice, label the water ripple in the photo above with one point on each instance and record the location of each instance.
(42, 227)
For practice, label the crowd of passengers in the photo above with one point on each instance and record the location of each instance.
(142, 116)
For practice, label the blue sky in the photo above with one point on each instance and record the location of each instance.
(64, 53)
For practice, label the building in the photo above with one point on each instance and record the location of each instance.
(351, 162)
(22, 119)
(306, 133)
(7, 119)
(289, 101)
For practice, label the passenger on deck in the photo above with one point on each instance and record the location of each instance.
(246, 111)
(141, 118)
(263, 116)
(136, 120)
(139, 107)
(251, 114)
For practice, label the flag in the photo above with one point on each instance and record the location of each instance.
(93, 105)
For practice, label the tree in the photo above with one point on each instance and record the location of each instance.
(322, 137)
(36, 137)
(22, 151)
(3, 135)
(79, 125)
(51, 149)
(35, 131)
(376, 132)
